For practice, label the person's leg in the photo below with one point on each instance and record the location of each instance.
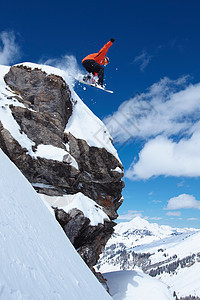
(88, 65)
(93, 67)
(101, 76)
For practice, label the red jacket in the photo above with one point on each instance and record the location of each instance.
(100, 56)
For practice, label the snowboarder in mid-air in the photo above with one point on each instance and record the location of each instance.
(93, 63)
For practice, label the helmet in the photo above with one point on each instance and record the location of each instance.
(106, 61)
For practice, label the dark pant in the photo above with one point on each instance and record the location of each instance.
(93, 67)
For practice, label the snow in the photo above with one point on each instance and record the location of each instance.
(126, 231)
(117, 169)
(183, 245)
(185, 282)
(139, 223)
(90, 208)
(135, 285)
(55, 153)
(37, 259)
(93, 131)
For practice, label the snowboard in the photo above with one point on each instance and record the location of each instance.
(95, 85)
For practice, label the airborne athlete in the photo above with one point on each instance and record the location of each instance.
(93, 63)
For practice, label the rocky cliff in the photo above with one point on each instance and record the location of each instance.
(64, 151)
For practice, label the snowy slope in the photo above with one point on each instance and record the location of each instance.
(134, 285)
(37, 259)
(170, 254)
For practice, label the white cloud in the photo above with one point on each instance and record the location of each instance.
(130, 215)
(192, 219)
(163, 156)
(9, 50)
(183, 201)
(167, 118)
(163, 109)
(173, 213)
(143, 60)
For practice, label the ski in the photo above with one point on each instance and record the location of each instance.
(96, 86)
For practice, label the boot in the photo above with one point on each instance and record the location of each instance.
(87, 78)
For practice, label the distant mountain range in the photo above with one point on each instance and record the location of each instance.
(169, 254)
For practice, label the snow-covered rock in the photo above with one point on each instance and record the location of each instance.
(64, 151)
(37, 259)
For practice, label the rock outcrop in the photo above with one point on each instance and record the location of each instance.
(41, 106)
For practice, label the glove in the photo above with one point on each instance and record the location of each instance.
(112, 40)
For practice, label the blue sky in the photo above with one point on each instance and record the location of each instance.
(154, 113)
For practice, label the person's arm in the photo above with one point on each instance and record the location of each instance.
(105, 48)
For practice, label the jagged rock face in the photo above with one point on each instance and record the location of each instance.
(85, 238)
(48, 95)
(48, 107)
(96, 179)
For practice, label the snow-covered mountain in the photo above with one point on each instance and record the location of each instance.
(172, 255)
(37, 259)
